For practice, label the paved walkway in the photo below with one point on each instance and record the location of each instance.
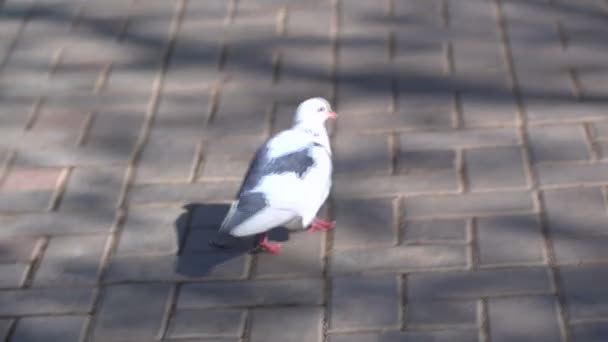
(470, 181)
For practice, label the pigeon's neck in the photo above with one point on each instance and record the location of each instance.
(318, 132)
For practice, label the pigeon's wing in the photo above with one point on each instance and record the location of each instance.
(251, 214)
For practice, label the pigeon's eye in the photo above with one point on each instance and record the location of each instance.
(321, 109)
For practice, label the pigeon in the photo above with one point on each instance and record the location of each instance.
(287, 181)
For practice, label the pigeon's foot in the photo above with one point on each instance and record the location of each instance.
(273, 248)
(320, 224)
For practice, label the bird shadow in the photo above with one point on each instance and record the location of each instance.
(197, 227)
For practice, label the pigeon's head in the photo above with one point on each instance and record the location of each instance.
(314, 111)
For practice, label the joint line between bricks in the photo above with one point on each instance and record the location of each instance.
(546, 234)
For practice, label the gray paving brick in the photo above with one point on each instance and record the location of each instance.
(575, 212)
(186, 111)
(576, 248)
(184, 193)
(167, 159)
(219, 265)
(365, 302)
(403, 258)
(378, 118)
(454, 230)
(600, 130)
(58, 223)
(425, 160)
(92, 189)
(17, 249)
(252, 293)
(25, 201)
(589, 332)
(45, 301)
(434, 313)
(287, 324)
(352, 157)
(13, 275)
(207, 323)
(150, 230)
(361, 223)
(409, 336)
(5, 326)
(71, 260)
(474, 284)
(479, 111)
(442, 140)
(524, 319)
(510, 239)
(572, 174)
(385, 186)
(558, 143)
(469, 204)
(230, 156)
(585, 291)
(49, 328)
(423, 110)
(28, 189)
(301, 256)
(131, 312)
(495, 168)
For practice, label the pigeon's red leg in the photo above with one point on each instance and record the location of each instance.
(320, 224)
(274, 248)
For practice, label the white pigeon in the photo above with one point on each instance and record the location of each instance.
(288, 180)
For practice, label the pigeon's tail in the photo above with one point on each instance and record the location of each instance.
(226, 224)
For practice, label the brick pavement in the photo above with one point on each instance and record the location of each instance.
(470, 181)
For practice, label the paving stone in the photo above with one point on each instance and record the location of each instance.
(54, 301)
(58, 223)
(575, 212)
(71, 260)
(523, 319)
(589, 332)
(452, 139)
(287, 324)
(17, 249)
(509, 240)
(131, 312)
(409, 336)
(572, 174)
(13, 275)
(600, 130)
(426, 160)
(5, 325)
(49, 328)
(365, 302)
(218, 265)
(301, 256)
(423, 110)
(28, 189)
(379, 117)
(362, 223)
(230, 156)
(186, 111)
(184, 193)
(403, 258)
(558, 143)
(475, 284)
(389, 186)
(441, 313)
(581, 248)
(454, 230)
(352, 157)
(150, 230)
(166, 159)
(480, 111)
(251, 293)
(468, 204)
(92, 189)
(585, 290)
(191, 323)
(495, 168)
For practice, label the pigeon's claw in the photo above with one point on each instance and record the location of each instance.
(273, 248)
(322, 225)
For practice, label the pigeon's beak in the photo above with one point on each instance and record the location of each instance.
(332, 115)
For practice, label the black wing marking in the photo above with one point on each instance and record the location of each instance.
(249, 204)
(298, 162)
